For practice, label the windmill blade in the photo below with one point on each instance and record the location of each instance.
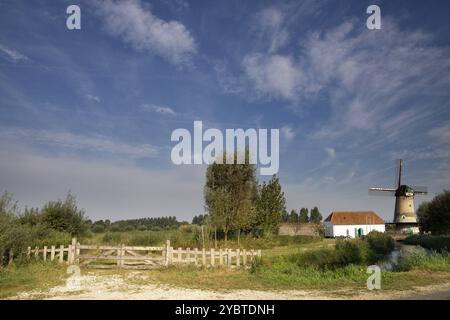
(420, 189)
(379, 191)
(398, 173)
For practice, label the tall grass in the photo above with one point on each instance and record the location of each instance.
(420, 259)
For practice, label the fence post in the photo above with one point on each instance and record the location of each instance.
(119, 255)
(220, 257)
(61, 253)
(259, 253)
(212, 257)
(238, 257)
(188, 255)
(167, 252)
(195, 256)
(11, 256)
(45, 253)
(179, 255)
(203, 256)
(244, 257)
(77, 253)
(36, 252)
(29, 253)
(73, 254)
(229, 257)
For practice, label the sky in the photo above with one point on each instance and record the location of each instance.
(91, 111)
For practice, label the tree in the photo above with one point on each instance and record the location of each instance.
(315, 215)
(434, 216)
(303, 218)
(285, 215)
(230, 191)
(270, 205)
(200, 219)
(13, 236)
(65, 216)
(293, 217)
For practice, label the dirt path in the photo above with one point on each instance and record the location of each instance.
(136, 286)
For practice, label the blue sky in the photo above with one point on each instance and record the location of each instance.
(92, 110)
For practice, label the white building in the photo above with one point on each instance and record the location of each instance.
(352, 223)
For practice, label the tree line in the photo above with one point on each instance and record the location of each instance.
(302, 216)
(142, 224)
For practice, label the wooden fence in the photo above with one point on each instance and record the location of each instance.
(140, 257)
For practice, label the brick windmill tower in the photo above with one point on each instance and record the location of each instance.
(405, 218)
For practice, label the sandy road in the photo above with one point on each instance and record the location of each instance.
(137, 286)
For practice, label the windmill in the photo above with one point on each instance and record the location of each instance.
(404, 214)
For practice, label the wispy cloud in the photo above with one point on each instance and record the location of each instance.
(159, 109)
(441, 133)
(288, 133)
(94, 98)
(136, 25)
(273, 76)
(331, 152)
(79, 142)
(13, 54)
(269, 25)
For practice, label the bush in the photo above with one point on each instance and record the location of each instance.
(322, 259)
(438, 243)
(65, 216)
(98, 228)
(351, 252)
(419, 258)
(380, 245)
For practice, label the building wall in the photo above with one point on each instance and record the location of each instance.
(341, 230)
(302, 229)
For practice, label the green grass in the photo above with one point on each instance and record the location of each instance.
(279, 270)
(191, 238)
(32, 276)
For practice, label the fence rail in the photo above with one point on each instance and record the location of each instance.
(142, 257)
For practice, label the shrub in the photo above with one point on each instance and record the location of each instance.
(98, 228)
(419, 258)
(351, 252)
(65, 216)
(438, 243)
(322, 259)
(380, 245)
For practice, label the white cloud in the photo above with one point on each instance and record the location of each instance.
(79, 142)
(273, 75)
(269, 24)
(92, 97)
(369, 76)
(136, 25)
(13, 54)
(331, 152)
(159, 109)
(370, 79)
(288, 133)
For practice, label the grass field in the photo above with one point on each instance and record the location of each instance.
(277, 270)
(36, 275)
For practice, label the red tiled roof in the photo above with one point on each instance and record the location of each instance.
(354, 217)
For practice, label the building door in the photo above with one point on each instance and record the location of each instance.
(360, 232)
